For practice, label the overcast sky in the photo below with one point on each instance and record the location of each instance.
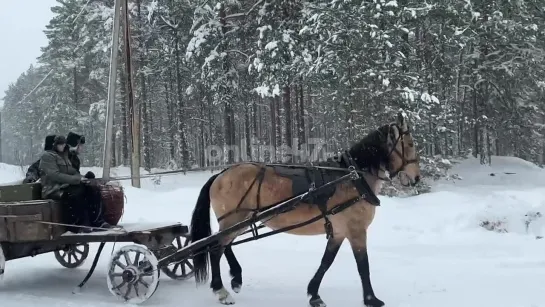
(21, 35)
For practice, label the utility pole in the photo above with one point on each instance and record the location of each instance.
(110, 107)
(134, 114)
(1, 139)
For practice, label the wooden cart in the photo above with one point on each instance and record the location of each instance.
(31, 226)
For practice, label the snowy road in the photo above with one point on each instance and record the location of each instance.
(425, 251)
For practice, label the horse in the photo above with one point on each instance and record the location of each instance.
(234, 197)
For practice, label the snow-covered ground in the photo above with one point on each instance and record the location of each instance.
(425, 251)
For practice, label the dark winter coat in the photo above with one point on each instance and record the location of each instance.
(33, 172)
(57, 173)
(74, 160)
(72, 140)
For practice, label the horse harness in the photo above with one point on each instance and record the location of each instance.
(364, 191)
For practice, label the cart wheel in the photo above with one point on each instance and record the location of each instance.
(2, 262)
(179, 270)
(72, 256)
(133, 279)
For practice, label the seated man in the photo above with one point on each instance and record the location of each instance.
(33, 173)
(60, 181)
(74, 147)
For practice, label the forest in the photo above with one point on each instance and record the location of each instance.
(470, 75)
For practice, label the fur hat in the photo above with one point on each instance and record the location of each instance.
(73, 140)
(59, 140)
(49, 140)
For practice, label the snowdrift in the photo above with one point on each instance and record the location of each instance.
(11, 173)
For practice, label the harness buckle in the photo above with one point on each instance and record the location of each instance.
(353, 173)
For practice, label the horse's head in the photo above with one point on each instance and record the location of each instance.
(402, 155)
(390, 146)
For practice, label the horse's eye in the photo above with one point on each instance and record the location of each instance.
(411, 144)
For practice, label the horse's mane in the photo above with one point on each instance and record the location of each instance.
(369, 153)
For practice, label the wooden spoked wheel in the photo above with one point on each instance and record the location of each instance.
(181, 269)
(133, 274)
(73, 255)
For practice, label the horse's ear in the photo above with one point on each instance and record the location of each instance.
(402, 121)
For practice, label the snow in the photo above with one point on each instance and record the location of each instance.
(426, 250)
(271, 45)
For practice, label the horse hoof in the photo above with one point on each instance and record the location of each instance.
(224, 297)
(229, 300)
(236, 288)
(317, 302)
(371, 301)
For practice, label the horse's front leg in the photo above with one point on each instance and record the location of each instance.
(359, 248)
(331, 250)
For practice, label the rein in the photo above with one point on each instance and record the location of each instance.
(394, 149)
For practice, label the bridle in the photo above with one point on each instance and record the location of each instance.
(404, 161)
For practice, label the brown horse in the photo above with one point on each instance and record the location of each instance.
(235, 196)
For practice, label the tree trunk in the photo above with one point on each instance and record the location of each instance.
(75, 85)
(274, 130)
(286, 97)
(182, 143)
(278, 119)
(145, 123)
(247, 134)
(133, 108)
(169, 87)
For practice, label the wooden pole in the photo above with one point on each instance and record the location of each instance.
(134, 114)
(107, 154)
(1, 139)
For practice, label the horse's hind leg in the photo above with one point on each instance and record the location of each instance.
(331, 250)
(235, 269)
(215, 256)
(217, 284)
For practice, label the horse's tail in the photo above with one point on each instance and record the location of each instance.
(200, 228)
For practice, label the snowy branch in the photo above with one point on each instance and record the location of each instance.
(245, 14)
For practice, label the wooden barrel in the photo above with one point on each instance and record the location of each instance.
(113, 200)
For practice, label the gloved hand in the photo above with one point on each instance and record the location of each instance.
(30, 178)
(90, 175)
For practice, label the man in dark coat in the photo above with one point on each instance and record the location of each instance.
(33, 172)
(61, 181)
(74, 147)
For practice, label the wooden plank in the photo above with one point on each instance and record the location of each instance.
(22, 218)
(26, 221)
(131, 228)
(151, 235)
(20, 192)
